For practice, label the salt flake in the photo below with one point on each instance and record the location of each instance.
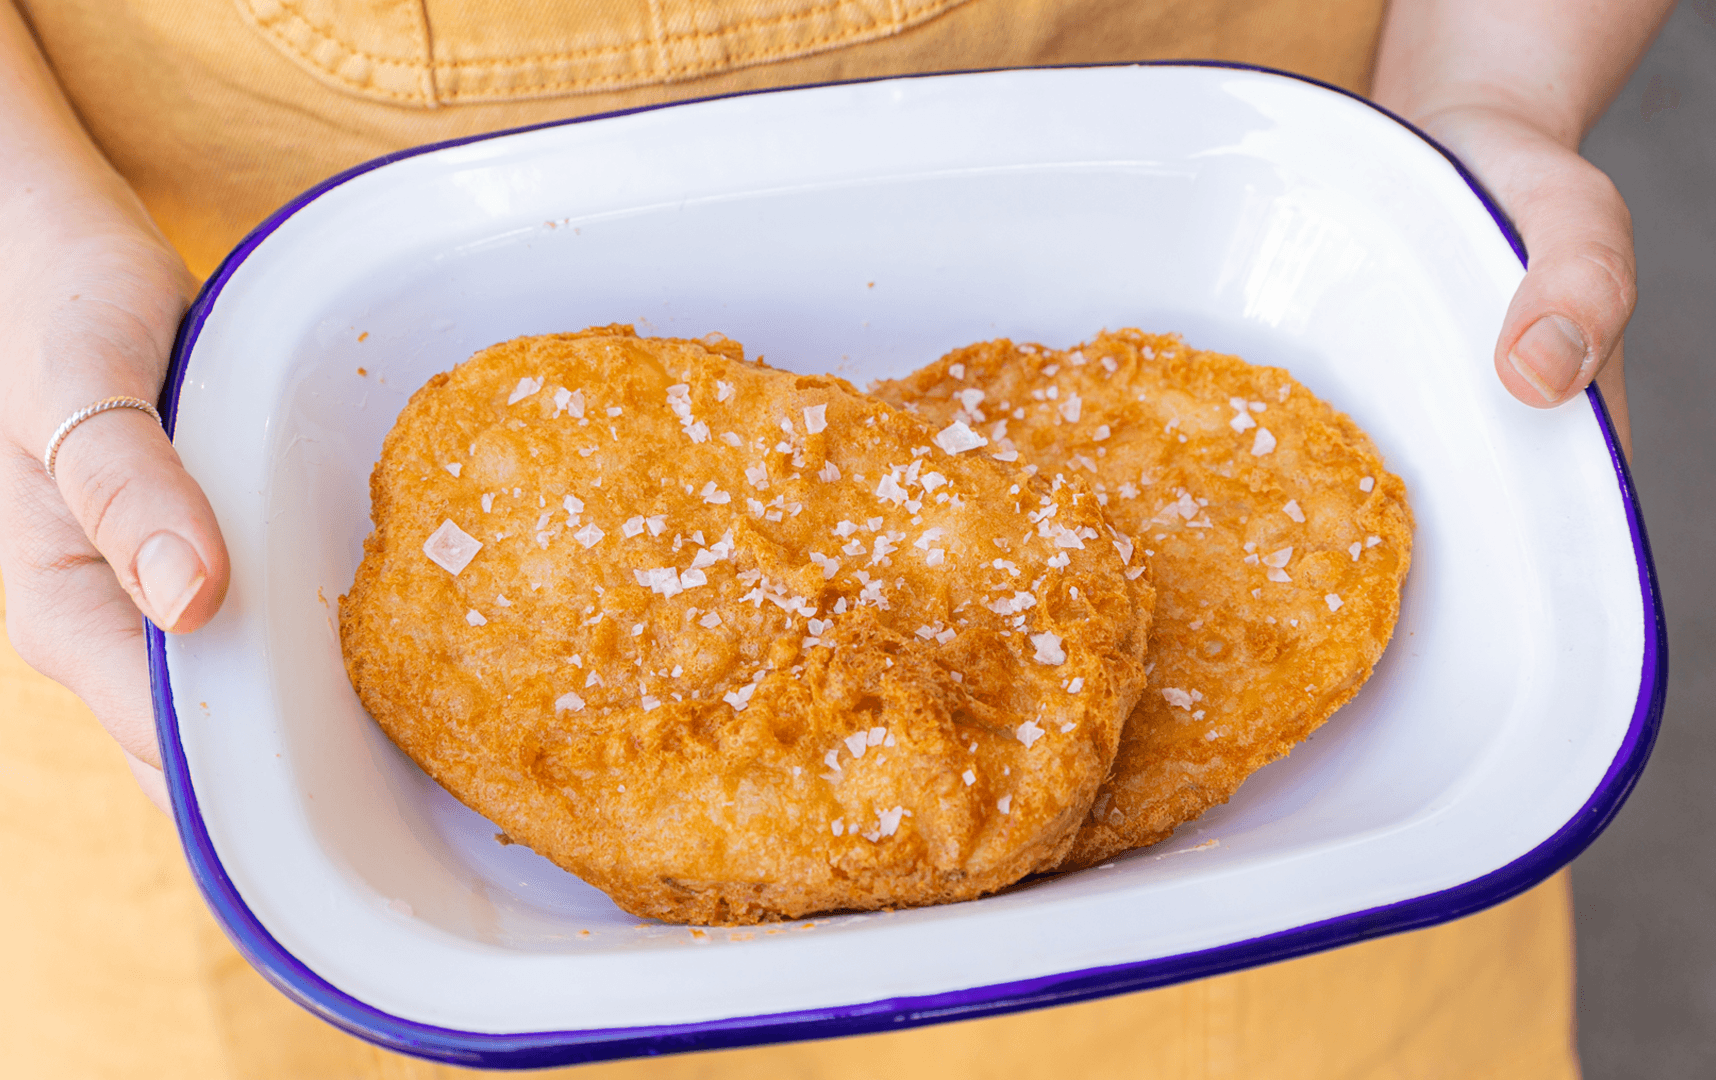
(526, 387)
(956, 438)
(451, 548)
(1048, 646)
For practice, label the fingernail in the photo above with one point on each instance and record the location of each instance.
(170, 575)
(1549, 356)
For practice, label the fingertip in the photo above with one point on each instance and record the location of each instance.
(1549, 362)
(180, 587)
(170, 574)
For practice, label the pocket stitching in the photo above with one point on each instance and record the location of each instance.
(658, 71)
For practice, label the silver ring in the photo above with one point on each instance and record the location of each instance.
(85, 413)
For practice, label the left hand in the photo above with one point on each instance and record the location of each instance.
(1564, 326)
(1511, 87)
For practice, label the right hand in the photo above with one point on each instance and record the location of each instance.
(91, 300)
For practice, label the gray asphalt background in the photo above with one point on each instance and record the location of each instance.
(1645, 892)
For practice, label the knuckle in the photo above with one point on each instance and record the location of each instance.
(1618, 271)
(99, 491)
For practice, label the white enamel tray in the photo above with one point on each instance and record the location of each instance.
(866, 229)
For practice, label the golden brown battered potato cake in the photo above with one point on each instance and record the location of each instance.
(733, 644)
(1277, 540)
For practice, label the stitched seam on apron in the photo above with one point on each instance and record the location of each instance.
(288, 13)
(733, 60)
(428, 40)
(657, 35)
(898, 20)
(660, 71)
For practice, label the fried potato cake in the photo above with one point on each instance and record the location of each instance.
(733, 644)
(1277, 540)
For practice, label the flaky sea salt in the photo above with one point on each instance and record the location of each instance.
(451, 548)
(1264, 443)
(1292, 510)
(475, 618)
(956, 438)
(816, 418)
(1242, 420)
(1179, 699)
(568, 702)
(887, 821)
(930, 536)
(565, 400)
(1019, 601)
(661, 579)
(526, 387)
(1048, 646)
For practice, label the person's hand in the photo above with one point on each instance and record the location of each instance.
(122, 528)
(1511, 87)
(1564, 326)
(90, 298)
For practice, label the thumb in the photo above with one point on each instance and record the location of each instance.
(1566, 319)
(124, 483)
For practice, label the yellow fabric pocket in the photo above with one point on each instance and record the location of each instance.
(440, 52)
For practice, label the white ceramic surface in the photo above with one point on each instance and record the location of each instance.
(866, 229)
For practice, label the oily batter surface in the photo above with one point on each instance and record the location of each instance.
(1277, 540)
(734, 644)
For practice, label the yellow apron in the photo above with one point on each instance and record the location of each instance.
(218, 111)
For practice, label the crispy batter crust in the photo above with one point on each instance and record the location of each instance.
(1277, 540)
(762, 685)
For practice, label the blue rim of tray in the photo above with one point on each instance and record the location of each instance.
(548, 1048)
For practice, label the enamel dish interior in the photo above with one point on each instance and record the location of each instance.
(866, 229)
